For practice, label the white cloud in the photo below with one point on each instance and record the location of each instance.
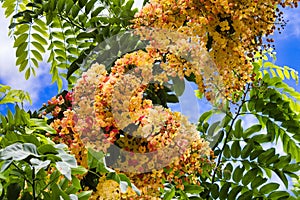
(9, 73)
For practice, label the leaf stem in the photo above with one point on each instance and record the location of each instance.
(49, 184)
(25, 178)
(229, 131)
(33, 184)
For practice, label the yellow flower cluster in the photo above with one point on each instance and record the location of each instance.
(150, 138)
(65, 128)
(155, 145)
(185, 169)
(183, 55)
(106, 189)
(230, 30)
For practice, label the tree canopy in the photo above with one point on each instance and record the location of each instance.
(113, 135)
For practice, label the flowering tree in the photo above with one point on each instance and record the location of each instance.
(124, 68)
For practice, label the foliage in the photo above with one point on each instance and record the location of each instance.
(241, 161)
(65, 30)
(62, 120)
(296, 188)
(227, 28)
(8, 95)
(246, 158)
(32, 166)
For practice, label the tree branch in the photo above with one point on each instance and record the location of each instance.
(229, 131)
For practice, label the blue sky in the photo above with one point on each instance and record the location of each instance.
(41, 89)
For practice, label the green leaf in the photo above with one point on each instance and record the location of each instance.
(268, 172)
(55, 191)
(38, 46)
(179, 85)
(38, 164)
(5, 165)
(294, 75)
(266, 189)
(247, 150)
(238, 173)
(40, 22)
(253, 129)
(282, 176)
(286, 72)
(183, 195)
(123, 177)
(205, 116)
(193, 189)
(273, 73)
(60, 5)
(129, 4)
(169, 194)
(64, 169)
(47, 149)
(238, 129)
(246, 195)
(10, 116)
(214, 191)
(249, 176)
(283, 161)
(35, 63)
(85, 195)
(41, 31)
(234, 192)
(21, 39)
(1, 189)
(236, 149)
(41, 124)
(113, 176)
(21, 49)
(27, 74)
(37, 55)
(89, 6)
(211, 136)
(75, 10)
(262, 158)
(76, 182)
(224, 191)
(257, 181)
(278, 195)
(82, 3)
(18, 151)
(227, 171)
(280, 74)
(294, 167)
(80, 170)
(97, 160)
(172, 98)
(68, 159)
(97, 11)
(262, 138)
(39, 39)
(226, 151)
(58, 44)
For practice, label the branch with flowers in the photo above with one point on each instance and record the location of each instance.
(116, 119)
